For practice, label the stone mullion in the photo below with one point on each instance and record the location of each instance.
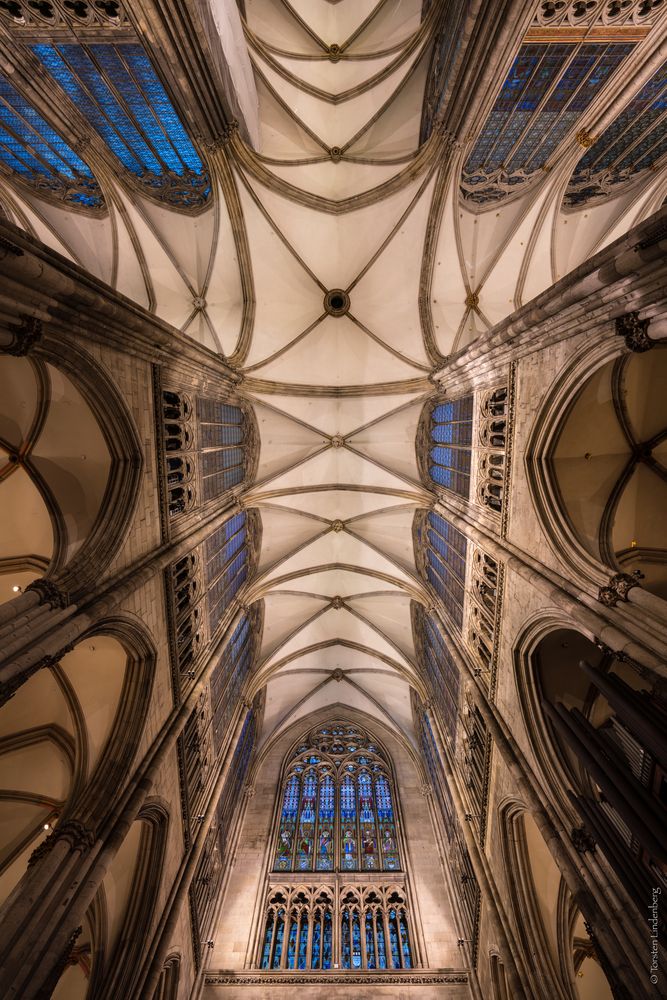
(311, 932)
(362, 935)
(373, 913)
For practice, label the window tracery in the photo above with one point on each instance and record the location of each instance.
(318, 927)
(205, 449)
(634, 142)
(492, 434)
(202, 587)
(117, 89)
(337, 817)
(451, 442)
(32, 150)
(540, 103)
(338, 809)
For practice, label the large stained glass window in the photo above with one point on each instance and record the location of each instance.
(372, 921)
(634, 142)
(441, 669)
(226, 558)
(337, 829)
(221, 433)
(541, 102)
(338, 809)
(118, 91)
(451, 442)
(33, 151)
(445, 551)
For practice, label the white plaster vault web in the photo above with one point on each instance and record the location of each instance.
(339, 194)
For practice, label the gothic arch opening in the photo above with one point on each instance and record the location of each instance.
(602, 481)
(596, 726)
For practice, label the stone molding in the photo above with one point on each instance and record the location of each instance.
(620, 584)
(337, 978)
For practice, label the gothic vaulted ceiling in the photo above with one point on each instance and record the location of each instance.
(360, 238)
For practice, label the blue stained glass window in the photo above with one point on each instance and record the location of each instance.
(337, 816)
(634, 141)
(356, 941)
(278, 945)
(345, 949)
(348, 821)
(382, 951)
(303, 941)
(405, 940)
(541, 101)
(327, 941)
(30, 148)
(226, 556)
(442, 672)
(228, 678)
(288, 824)
(370, 941)
(221, 435)
(446, 551)
(317, 940)
(394, 941)
(450, 454)
(325, 839)
(117, 89)
(268, 939)
(304, 851)
(291, 943)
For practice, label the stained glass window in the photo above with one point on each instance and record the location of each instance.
(542, 99)
(221, 434)
(226, 555)
(31, 149)
(634, 142)
(446, 550)
(337, 814)
(442, 671)
(118, 91)
(450, 453)
(338, 809)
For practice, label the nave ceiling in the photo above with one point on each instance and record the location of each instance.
(351, 191)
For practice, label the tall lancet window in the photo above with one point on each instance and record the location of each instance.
(337, 823)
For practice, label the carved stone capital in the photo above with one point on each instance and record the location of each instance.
(635, 332)
(49, 593)
(79, 838)
(617, 589)
(27, 332)
(582, 840)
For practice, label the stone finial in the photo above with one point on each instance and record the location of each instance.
(618, 588)
(635, 332)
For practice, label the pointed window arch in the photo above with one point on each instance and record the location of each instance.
(338, 806)
(337, 814)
